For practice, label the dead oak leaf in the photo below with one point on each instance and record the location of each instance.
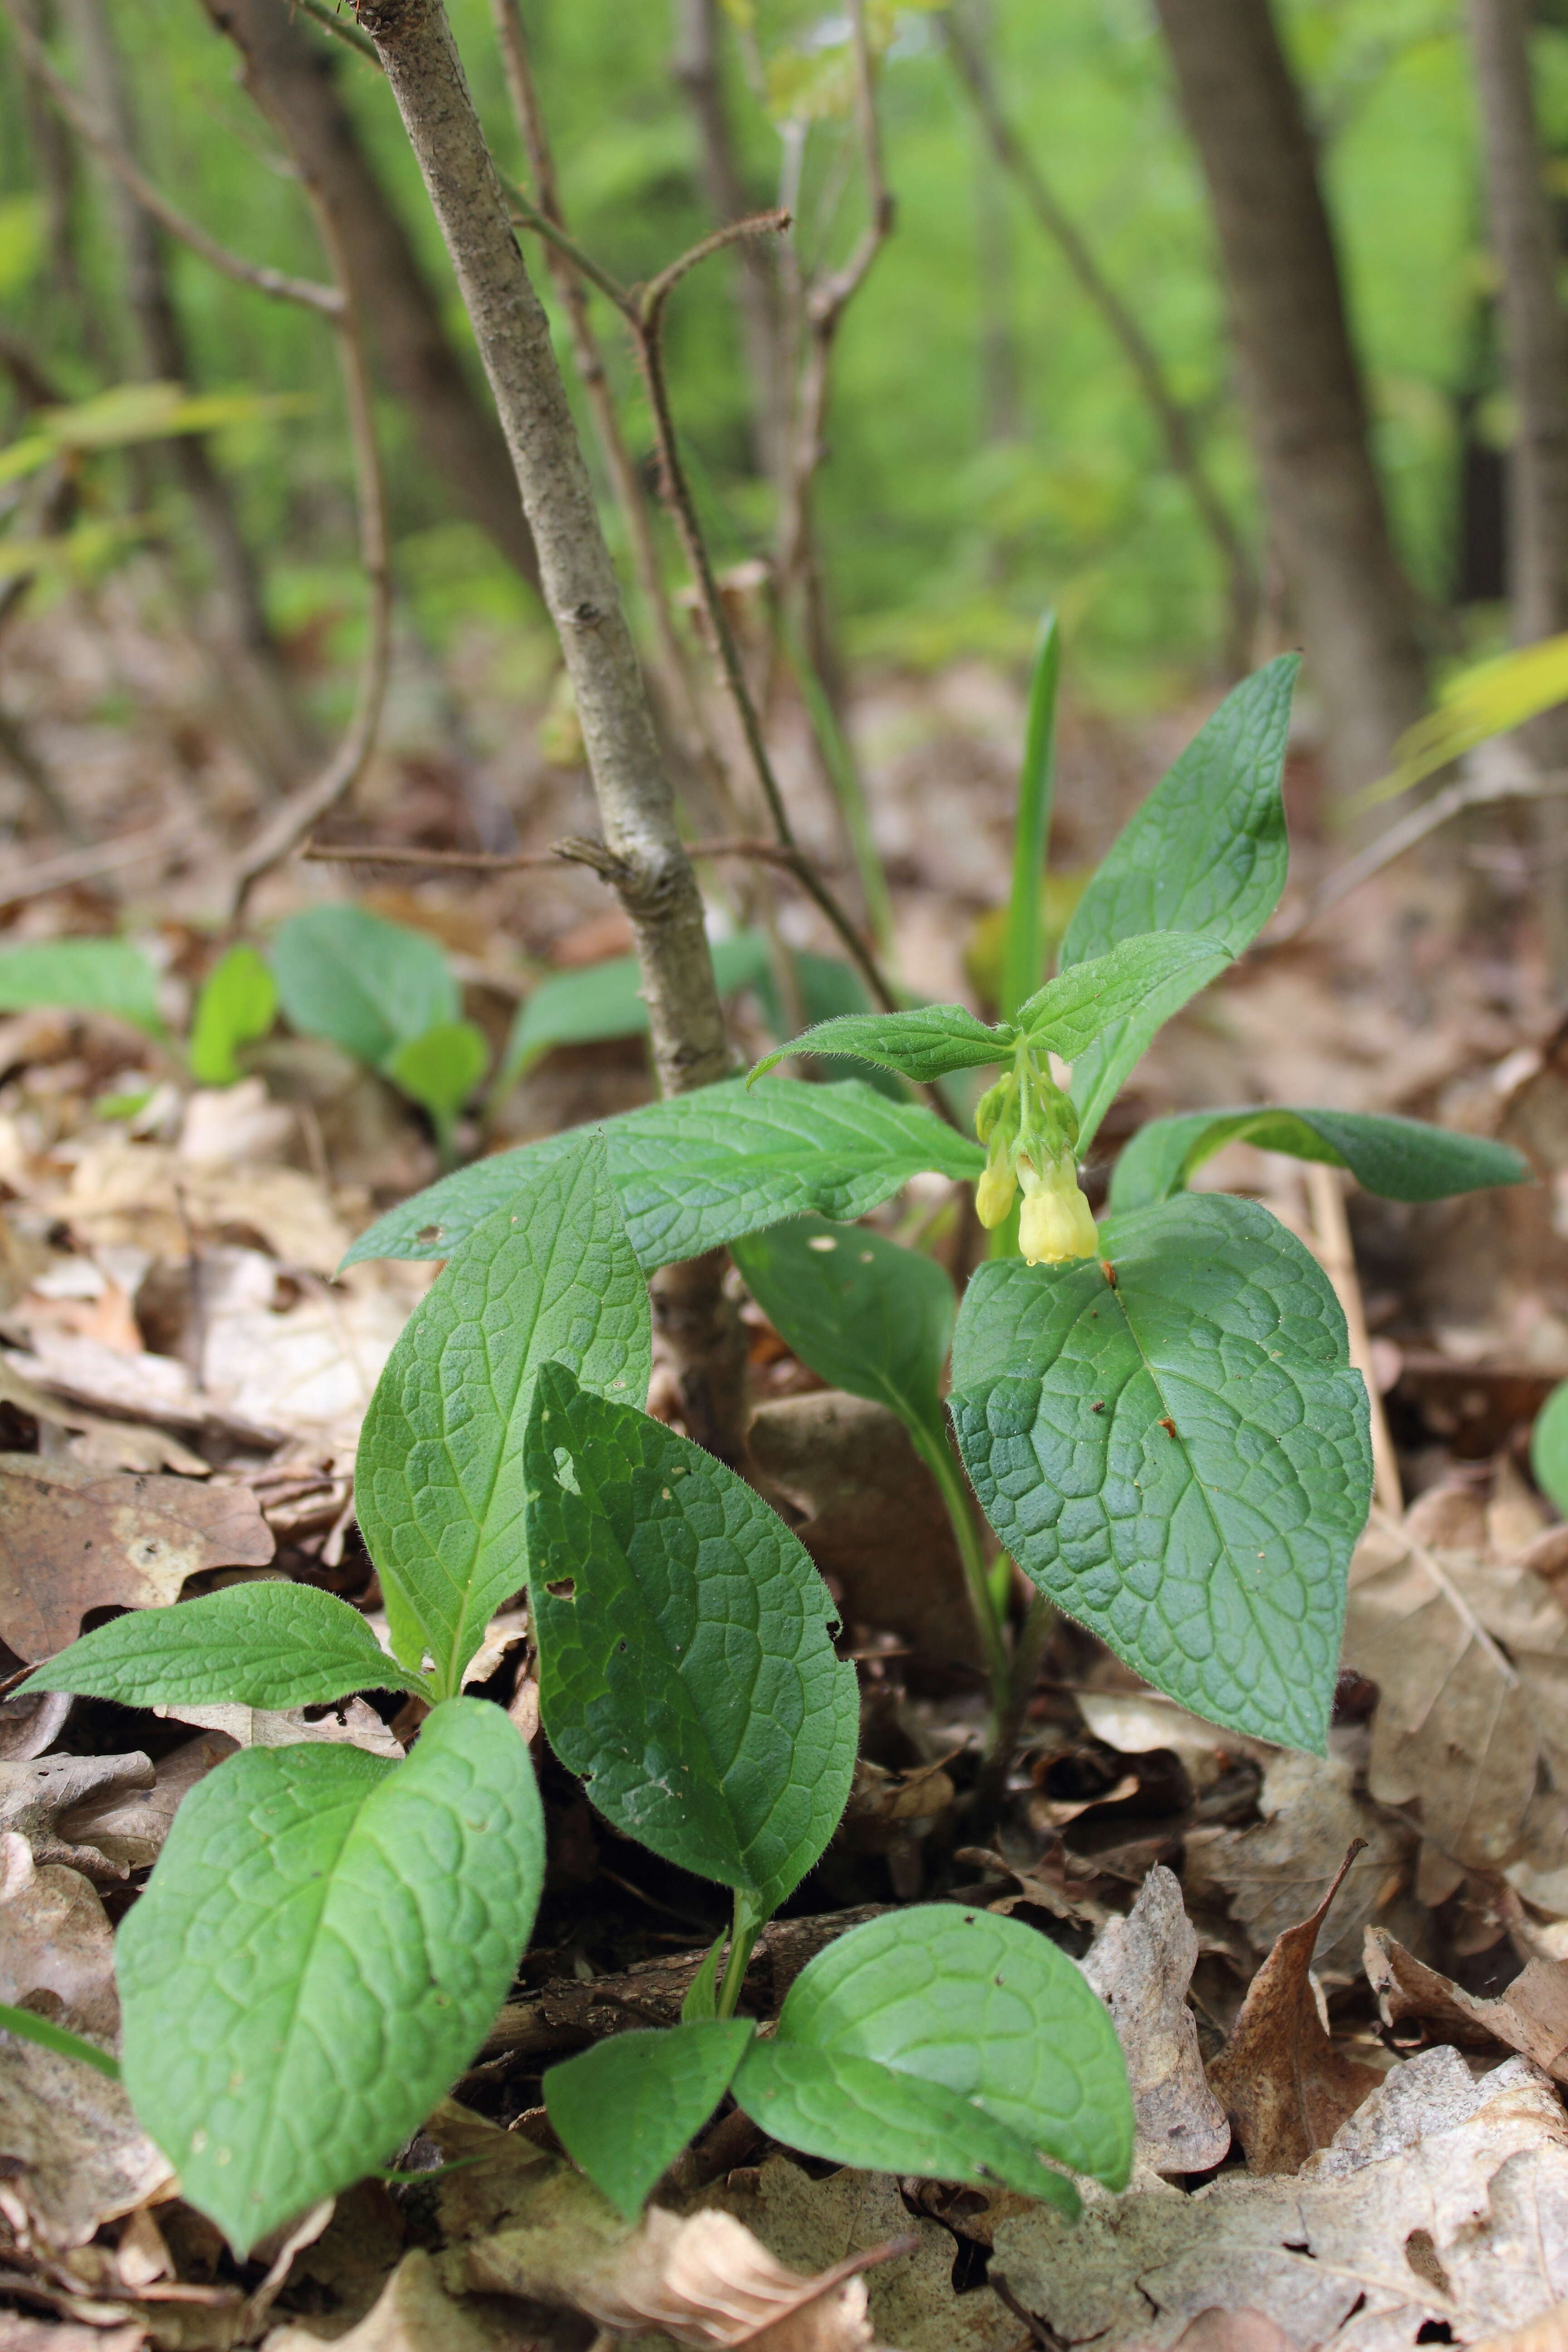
(74, 1538)
(1471, 1664)
(1530, 2016)
(414, 2313)
(1140, 1967)
(1285, 2087)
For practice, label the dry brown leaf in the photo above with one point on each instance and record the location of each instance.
(415, 2314)
(122, 1191)
(1471, 1662)
(351, 1722)
(130, 1828)
(308, 1367)
(1233, 2331)
(77, 2156)
(1441, 2206)
(20, 2334)
(102, 1444)
(1530, 2016)
(1273, 1875)
(31, 1722)
(73, 1538)
(1547, 2333)
(56, 1941)
(141, 1387)
(1285, 2087)
(873, 1520)
(1140, 1967)
(36, 1794)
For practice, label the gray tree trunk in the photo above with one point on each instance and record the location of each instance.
(1535, 347)
(1301, 382)
(291, 75)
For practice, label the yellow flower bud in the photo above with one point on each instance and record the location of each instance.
(1057, 1223)
(994, 1192)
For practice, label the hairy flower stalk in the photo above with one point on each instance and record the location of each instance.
(1030, 1130)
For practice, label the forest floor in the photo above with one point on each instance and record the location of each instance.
(183, 1374)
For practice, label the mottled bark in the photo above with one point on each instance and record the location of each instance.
(1301, 382)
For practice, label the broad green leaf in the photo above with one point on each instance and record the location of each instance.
(626, 2108)
(81, 976)
(1024, 937)
(439, 1070)
(703, 1168)
(366, 984)
(238, 1004)
(686, 1667)
(324, 1943)
(440, 1480)
(1549, 1448)
(1207, 852)
(924, 1044)
(1181, 1462)
(951, 2043)
(605, 1001)
(827, 988)
(270, 1645)
(1070, 1012)
(864, 1314)
(1402, 1159)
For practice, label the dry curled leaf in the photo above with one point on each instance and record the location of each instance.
(351, 1722)
(1285, 2086)
(414, 2313)
(1273, 1875)
(56, 1941)
(1438, 2213)
(129, 1827)
(1140, 1967)
(1530, 2016)
(73, 1538)
(35, 1796)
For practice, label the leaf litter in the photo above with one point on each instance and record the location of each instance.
(183, 1374)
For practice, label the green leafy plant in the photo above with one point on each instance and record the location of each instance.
(1157, 1417)
(81, 976)
(238, 1004)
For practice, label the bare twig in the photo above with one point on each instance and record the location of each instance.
(296, 815)
(1170, 414)
(578, 853)
(87, 865)
(326, 300)
(1467, 793)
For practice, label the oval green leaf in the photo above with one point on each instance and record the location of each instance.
(238, 1004)
(1182, 1462)
(81, 976)
(951, 2042)
(440, 1478)
(578, 1008)
(1549, 1448)
(367, 985)
(925, 1044)
(864, 1314)
(626, 2108)
(686, 1667)
(323, 1945)
(1401, 1159)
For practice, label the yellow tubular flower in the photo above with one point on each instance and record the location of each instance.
(1057, 1223)
(994, 1192)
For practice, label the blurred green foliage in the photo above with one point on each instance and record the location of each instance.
(941, 539)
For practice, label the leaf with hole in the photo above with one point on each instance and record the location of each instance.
(1207, 852)
(702, 1169)
(238, 1004)
(1070, 1012)
(949, 2042)
(1402, 1159)
(272, 1646)
(1181, 1462)
(440, 1481)
(365, 984)
(581, 1008)
(686, 1666)
(323, 1945)
(81, 976)
(924, 1043)
(626, 2108)
(864, 1314)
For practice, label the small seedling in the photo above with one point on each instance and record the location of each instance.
(1157, 1415)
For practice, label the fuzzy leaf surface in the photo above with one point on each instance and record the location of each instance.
(346, 974)
(1207, 852)
(1402, 1159)
(704, 1167)
(1182, 1463)
(269, 1645)
(440, 1478)
(948, 2042)
(686, 1666)
(864, 1314)
(925, 1044)
(1071, 1011)
(322, 1947)
(625, 2108)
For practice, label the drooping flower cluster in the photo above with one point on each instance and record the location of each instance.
(1030, 1129)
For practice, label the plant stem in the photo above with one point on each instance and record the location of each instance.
(934, 1451)
(1007, 1720)
(744, 1936)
